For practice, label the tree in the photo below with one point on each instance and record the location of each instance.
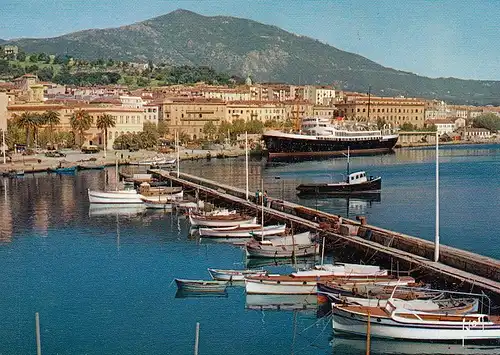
(254, 127)
(103, 123)
(407, 127)
(224, 127)
(21, 56)
(81, 121)
(27, 121)
(380, 123)
(45, 74)
(34, 58)
(209, 129)
(162, 128)
(490, 121)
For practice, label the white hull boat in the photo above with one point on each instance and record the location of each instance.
(462, 306)
(220, 221)
(233, 275)
(201, 285)
(398, 323)
(112, 197)
(261, 250)
(305, 283)
(242, 231)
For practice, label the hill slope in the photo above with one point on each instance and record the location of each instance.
(246, 47)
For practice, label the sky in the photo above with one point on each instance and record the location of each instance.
(448, 38)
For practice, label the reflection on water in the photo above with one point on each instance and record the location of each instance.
(346, 344)
(186, 294)
(281, 302)
(115, 209)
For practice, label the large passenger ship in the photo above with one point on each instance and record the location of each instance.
(319, 136)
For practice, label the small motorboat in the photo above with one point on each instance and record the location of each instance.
(201, 285)
(242, 231)
(233, 275)
(357, 182)
(220, 220)
(64, 170)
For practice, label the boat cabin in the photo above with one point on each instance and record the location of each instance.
(357, 177)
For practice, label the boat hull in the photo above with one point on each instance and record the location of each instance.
(201, 286)
(385, 327)
(233, 275)
(269, 287)
(283, 145)
(220, 222)
(280, 251)
(242, 233)
(115, 197)
(371, 185)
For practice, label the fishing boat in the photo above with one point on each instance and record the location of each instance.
(233, 275)
(156, 161)
(301, 244)
(448, 305)
(201, 285)
(357, 182)
(220, 220)
(337, 290)
(91, 166)
(306, 282)
(63, 170)
(321, 137)
(115, 197)
(154, 204)
(242, 231)
(399, 323)
(13, 173)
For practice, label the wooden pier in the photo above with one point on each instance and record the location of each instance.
(462, 268)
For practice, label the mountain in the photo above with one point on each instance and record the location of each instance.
(265, 52)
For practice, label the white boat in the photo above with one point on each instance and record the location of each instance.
(233, 275)
(242, 231)
(304, 283)
(156, 161)
(164, 202)
(283, 247)
(220, 221)
(201, 285)
(115, 197)
(342, 269)
(449, 305)
(399, 323)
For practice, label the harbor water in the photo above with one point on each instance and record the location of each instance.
(102, 278)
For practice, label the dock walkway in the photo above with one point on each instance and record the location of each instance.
(457, 265)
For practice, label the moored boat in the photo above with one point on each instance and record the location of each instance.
(220, 221)
(306, 283)
(320, 137)
(233, 275)
(63, 170)
(287, 246)
(399, 323)
(118, 197)
(201, 285)
(242, 231)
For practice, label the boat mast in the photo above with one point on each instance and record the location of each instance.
(246, 162)
(116, 172)
(262, 208)
(348, 161)
(436, 247)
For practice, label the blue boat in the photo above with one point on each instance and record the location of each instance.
(68, 170)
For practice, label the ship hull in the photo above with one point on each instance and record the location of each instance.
(287, 145)
(341, 188)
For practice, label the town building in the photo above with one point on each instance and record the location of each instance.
(442, 125)
(392, 110)
(319, 95)
(474, 134)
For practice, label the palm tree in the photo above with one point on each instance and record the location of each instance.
(103, 123)
(52, 118)
(81, 121)
(27, 120)
(40, 121)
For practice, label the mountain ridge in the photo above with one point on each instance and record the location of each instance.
(265, 52)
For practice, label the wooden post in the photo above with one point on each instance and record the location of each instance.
(37, 330)
(368, 335)
(197, 338)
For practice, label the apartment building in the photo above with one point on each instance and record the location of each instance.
(189, 115)
(255, 110)
(393, 110)
(319, 95)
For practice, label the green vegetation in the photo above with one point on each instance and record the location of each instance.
(104, 122)
(146, 139)
(235, 45)
(81, 121)
(490, 121)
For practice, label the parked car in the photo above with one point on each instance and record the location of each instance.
(55, 154)
(89, 149)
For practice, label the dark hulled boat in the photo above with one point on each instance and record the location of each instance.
(319, 137)
(356, 182)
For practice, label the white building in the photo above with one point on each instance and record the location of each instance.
(132, 101)
(442, 126)
(319, 95)
(151, 112)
